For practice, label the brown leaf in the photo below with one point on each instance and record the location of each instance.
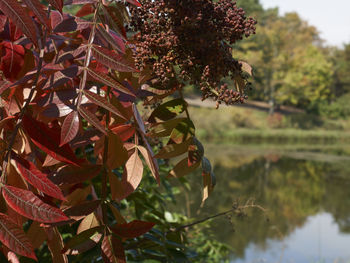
(182, 168)
(81, 210)
(36, 234)
(151, 162)
(117, 190)
(117, 154)
(132, 175)
(70, 128)
(55, 244)
(72, 175)
(112, 250)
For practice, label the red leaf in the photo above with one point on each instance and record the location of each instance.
(112, 59)
(70, 128)
(112, 250)
(92, 119)
(132, 175)
(107, 80)
(134, 2)
(85, 10)
(58, 4)
(73, 175)
(37, 178)
(133, 229)
(38, 9)
(102, 102)
(79, 2)
(12, 60)
(112, 39)
(48, 140)
(82, 210)
(125, 131)
(14, 238)
(29, 205)
(20, 17)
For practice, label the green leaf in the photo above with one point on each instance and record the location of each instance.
(164, 129)
(75, 242)
(169, 110)
(182, 132)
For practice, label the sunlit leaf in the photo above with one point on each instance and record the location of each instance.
(105, 79)
(112, 250)
(29, 205)
(182, 132)
(112, 59)
(169, 110)
(151, 162)
(12, 236)
(37, 178)
(163, 129)
(70, 128)
(132, 175)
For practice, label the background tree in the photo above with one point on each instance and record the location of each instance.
(284, 55)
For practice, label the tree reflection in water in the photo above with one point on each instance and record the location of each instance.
(290, 189)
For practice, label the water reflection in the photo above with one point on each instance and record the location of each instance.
(308, 203)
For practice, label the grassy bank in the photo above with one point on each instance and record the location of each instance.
(238, 125)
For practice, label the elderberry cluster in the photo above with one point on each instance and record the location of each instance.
(188, 42)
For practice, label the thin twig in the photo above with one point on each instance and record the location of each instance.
(238, 209)
(88, 55)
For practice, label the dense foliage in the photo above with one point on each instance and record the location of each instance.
(292, 65)
(75, 141)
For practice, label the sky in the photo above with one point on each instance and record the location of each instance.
(331, 18)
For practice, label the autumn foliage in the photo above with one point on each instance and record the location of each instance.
(70, 117)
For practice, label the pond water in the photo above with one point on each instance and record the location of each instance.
(305, 196)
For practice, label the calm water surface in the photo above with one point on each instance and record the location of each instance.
(306, 194)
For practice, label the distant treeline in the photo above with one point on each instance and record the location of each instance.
(293, 66)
